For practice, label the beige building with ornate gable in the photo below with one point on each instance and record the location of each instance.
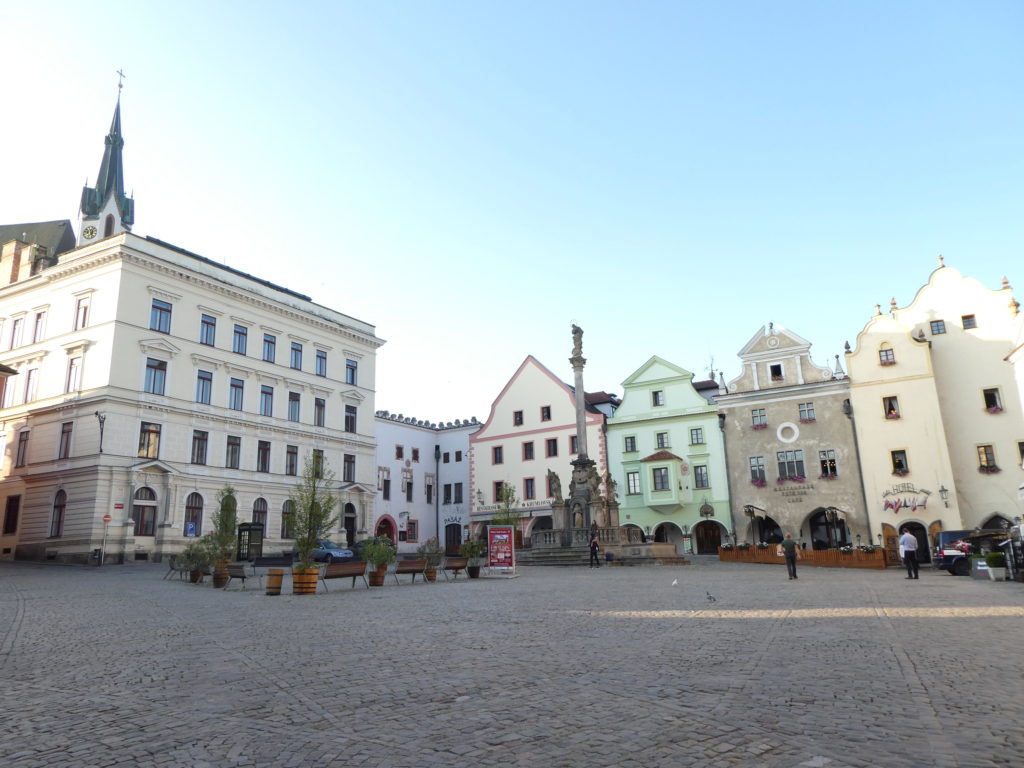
(792, 458)
(938, 408)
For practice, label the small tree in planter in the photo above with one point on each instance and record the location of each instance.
(220, 542)
(473, 552)
(379, 552)
(195, 559)
(312, 519)
(432, 552)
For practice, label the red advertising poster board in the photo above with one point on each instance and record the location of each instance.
(501, 546)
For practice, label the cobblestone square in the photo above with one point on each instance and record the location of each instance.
(559, 667)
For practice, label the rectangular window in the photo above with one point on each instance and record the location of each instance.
(551, 447)
(458, 456)
(791, 464)
(233, 457)
(266, 400)
(529, 488)
(384, 483)
(446, 493)
(993, 402)
(775, 370)
(938, 327)
(700, 477)
(11, 512)
(38, 327)
(498, 486)
(416, 454)
(200, 441)
(74, 378)
(757, 476)
(350, 418)
(806, 412)
(81, 313)
(412, 530)
(629, 444)
(291, 460)
(318, 463)
(294, 406)
(632, 483)
(156, 376)
(399, 452)
(828, 463)
(969, 321)
(497, 455)
(240, 340)
(697, 436)
(321, 363)
(517, 418)
(31, 383)
(886, 357)
(149, 441)
(207, 330)
(1020, 454)
(428, 487)
(204, 386)
(269, 348)
(446, 457)
(900, 465)
(661, 439)
(457, 499)
(759, 418)
(17, 326)
(263, 456)
(891, 407)
(986, 457)
(160, 317)
(57, 517)
(408, 487)
(659, 478)
(527, 451)
(64, 447)
(545, 413)
(22, 454)
(574, 444)
(236, 394)
(319, 412)
(658, 397)
(351, 371)
(296, 358)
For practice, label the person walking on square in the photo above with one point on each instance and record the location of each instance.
(789, 549)
(909, 543)
(595, 545)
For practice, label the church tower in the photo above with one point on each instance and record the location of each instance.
(106, 210)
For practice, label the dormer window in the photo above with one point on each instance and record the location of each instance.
(775, 370)
(968, 322)
(886, 357)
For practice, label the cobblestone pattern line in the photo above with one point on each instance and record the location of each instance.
(116, 667)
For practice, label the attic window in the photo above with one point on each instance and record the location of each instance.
(969, 322)
(776, 371)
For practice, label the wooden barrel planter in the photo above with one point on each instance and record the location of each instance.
(304, 581)
(376, 576)
(275, 576)
(220, 576)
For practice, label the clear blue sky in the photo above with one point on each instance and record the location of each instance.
(472, 177)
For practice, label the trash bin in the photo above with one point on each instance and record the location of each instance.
(608, 557)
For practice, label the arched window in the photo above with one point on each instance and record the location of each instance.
(259, 512)
(287, 512)
(194, 515)
(144, 512)
(60, 501)
(108, 225)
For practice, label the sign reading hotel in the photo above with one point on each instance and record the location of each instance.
(501, 547)
(905, 497)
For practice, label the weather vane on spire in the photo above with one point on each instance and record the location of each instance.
(120, 76)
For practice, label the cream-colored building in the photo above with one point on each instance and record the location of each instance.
(938, 408)
(792, 456)
(150, 377)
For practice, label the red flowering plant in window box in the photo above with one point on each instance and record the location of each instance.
(792, 479)
(901, 472)
(808, 421)
(887, 362)
(758, 482)
(994, 409)
(759, 426)
(989, 469)
(826, 477)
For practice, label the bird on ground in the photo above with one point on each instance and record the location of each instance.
(711, 598)
(675, 582)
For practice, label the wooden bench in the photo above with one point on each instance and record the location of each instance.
(236, 571)
(409, 566)
(344, 571)
(272, 561)
(455, 565)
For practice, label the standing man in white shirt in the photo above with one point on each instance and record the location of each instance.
(909, 544)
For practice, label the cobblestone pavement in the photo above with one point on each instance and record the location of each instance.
(559, 667)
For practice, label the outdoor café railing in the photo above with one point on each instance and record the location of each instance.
(827, 558)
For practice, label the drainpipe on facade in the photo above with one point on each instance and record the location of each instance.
(848, 410)
(437, 493)
(728, 476)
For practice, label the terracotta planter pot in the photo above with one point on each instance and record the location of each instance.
(430, 573)
(275, 576)
(220, 578)
(195, 576)
(304, 581)
(376, 576)
(473, 571)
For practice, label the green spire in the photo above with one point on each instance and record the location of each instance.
(110, 181)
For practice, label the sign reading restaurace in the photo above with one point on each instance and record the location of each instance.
(501, 547)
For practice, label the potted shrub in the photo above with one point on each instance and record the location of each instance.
(379, 552)
(996, 562)
(430, 551)
(220, 542)
(312, 519)
(473, 551)
(195, 559)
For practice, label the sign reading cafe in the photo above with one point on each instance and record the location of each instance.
(904, 496)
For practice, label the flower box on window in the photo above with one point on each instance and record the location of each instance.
(759, 426)
(793, 479)
(887, 362)
(808, 421)
(892, 415)
(994, 409)
(776, 378)
(826, 477)
(991, 469)
(758, 483)
(901, 472)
